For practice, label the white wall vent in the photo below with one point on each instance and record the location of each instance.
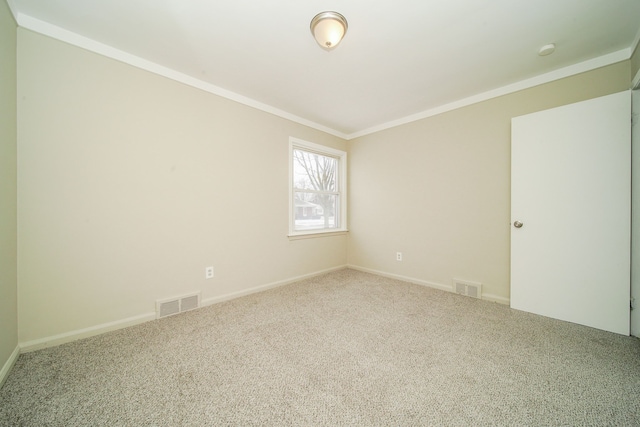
(171, 306)
(470, 289)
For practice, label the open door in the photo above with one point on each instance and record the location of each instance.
(571, 212)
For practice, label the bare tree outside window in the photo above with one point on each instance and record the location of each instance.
(316, 199)
(318, 189)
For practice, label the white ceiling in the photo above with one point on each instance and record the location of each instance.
(400, 60)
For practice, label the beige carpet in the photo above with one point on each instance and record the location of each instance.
(346, 348)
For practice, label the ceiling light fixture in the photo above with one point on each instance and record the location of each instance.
(328, 28)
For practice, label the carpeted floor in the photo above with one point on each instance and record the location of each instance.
(346, 348)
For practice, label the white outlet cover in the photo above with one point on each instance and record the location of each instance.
(208, 272)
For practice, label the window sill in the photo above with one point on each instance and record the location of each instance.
(314, 234)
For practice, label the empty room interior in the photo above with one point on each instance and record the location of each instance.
(223, 213)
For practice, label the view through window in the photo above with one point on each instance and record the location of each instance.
(317, 196)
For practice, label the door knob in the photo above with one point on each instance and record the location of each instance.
(517, 224)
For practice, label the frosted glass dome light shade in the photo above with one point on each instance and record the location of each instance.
(328, 28)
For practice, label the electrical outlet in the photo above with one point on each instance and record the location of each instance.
(208, 273)
(398, 256)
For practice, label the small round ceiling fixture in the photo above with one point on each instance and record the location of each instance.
(547, 49)
(328, 28)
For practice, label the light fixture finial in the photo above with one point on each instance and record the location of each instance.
(328, 28)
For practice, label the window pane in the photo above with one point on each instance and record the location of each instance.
(318, 185)
(314, 211)
(313, 171)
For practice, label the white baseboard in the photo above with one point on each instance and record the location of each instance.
(496, 298)
(413, 280)
(84, 333)
(55, 340)
(6, 369)
(230, 296)
(440, 286)
(120, 324)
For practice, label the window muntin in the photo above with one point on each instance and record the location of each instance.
(318, 182)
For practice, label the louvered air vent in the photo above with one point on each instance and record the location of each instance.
(171, 306)
(470, 289)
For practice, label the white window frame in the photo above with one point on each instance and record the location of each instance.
(341, 157)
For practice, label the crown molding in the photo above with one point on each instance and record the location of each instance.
(561, 73)
(91, 45)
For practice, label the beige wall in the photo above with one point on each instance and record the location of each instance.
(131, 184)
(8, 200)
(438, 190)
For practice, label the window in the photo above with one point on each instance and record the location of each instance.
(317, 201)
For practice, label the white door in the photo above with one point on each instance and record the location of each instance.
(571, 191)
